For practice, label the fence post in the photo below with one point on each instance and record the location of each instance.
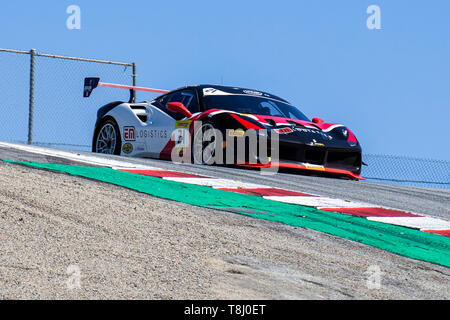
(134, 76)
(31, 105)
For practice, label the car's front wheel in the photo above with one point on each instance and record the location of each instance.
(204, 144)
(107, 138)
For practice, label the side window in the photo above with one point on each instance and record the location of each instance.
(186, 97)
(163, 99)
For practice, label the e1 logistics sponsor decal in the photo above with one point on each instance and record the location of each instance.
(129, 134)
(153, 134)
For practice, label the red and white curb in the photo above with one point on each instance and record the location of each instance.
(90, 159)
(360, 209)
(366, 210)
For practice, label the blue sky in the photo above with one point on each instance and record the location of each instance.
(390, 86)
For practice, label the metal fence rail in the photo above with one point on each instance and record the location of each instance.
(41, 103)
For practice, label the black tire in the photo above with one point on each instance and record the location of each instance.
(107, 138)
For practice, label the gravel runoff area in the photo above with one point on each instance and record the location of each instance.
(64, 237)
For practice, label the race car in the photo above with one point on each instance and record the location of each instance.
(195, 123)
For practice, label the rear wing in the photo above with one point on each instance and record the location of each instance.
(91, 83)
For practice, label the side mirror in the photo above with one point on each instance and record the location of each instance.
(178, 107)
(317, 120)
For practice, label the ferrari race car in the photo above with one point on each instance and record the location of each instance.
(207, 123)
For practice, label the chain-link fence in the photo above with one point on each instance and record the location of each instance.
(407, 171)
(41, 103)
(41, 97)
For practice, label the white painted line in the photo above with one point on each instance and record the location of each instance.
(422, 223)
(318, 202)
(216, 183)
(74, 156)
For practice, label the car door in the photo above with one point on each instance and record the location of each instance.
(173, 122)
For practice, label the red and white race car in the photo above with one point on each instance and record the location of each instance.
(188, 122)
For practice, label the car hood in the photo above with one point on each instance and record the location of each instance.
(289, 129)
(330, 134)
(281, 121)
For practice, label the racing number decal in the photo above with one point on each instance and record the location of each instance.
(181, 138)
(181, 134)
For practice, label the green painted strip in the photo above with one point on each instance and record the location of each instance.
(404, 241)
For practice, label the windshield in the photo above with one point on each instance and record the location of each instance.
(253, 105)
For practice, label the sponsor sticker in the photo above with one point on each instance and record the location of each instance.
(314, 167)
(127, 148)
(183, 124)
(153, 134)
(254, 93)
(236, 133)
(129, 134)
(284, 130)
(314, 131)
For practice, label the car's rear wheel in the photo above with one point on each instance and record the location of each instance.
(107, 138)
